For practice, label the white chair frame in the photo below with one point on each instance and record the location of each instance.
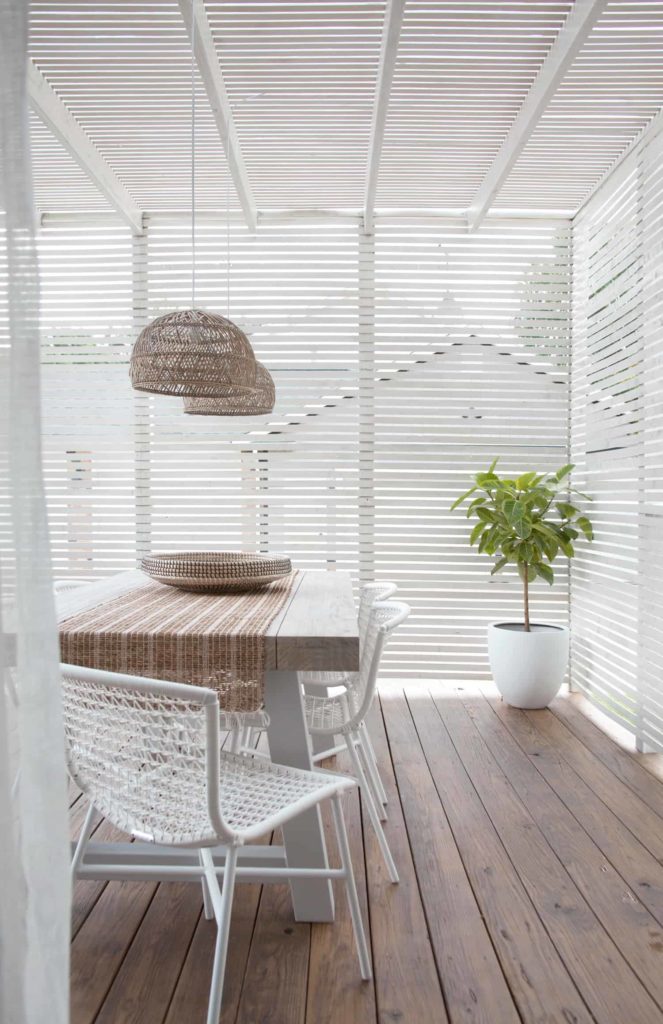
(80, 686)
(345, 715)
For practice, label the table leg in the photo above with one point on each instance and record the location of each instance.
(303, 838)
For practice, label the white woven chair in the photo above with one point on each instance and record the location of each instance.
(61, 586)
(343, 714)
(146, 754)
(325, 681)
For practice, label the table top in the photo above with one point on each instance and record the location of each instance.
(316, 630)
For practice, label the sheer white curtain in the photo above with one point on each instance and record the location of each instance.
(34, 879)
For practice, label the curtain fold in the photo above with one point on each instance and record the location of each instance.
(34, 875)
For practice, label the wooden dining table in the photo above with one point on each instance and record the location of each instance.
(315, 630)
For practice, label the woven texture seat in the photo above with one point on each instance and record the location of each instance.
(147, 755)
(330, 714)
(144, 756)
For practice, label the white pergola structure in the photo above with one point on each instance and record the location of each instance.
(445, 242)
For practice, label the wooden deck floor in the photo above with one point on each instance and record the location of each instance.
(530, 847)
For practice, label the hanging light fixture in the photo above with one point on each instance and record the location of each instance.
(255, 402)
(194, 353)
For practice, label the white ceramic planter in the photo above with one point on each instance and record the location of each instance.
(528, 668)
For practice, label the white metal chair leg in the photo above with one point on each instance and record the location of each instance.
(367, 744)
(222, 902)
(79, 852)
(236, 741)
(351, 890)
(208, 908)
(368, 801)
(370, 776)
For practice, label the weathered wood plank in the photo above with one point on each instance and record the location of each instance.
(605, 980)
(275, 987)
(474, 985)
(637, 866)
(535, 972)
(645, 824)
(621, 763)
(142, 988)
(635, 932)
(101, 944)
(319, 630)
(406, 979)
(336, 993)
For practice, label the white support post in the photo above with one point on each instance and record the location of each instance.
(391, 32)
(142, 405)
(212, 77)
(48, 106)
(574, 32)
(366, 407)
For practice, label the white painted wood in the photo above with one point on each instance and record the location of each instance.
(303, 838)
(52, 111)
(393, 19)
(577, 27)
(212, 76)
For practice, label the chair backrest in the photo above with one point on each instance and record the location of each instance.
(62, 586)
(370, 593)
(146, 754)
(383, 618)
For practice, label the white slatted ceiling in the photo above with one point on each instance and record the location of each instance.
(462, 73)
(607, 98)
(301, 79)
(123, 69)
(616, 441)
(59, 182)
(401, 363)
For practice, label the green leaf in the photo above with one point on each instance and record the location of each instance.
(485, 515)
(499, 565)
(493, 464)
(566, 510)
(524, 481)
(476, 532)
(564, 471)
(584, 524)
(546, 573)
(459, 501)
(531, 571)
(567, 547)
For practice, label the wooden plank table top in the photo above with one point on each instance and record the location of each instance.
(317, 628)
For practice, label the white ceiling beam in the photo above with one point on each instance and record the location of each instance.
(391, 32)
(212, 76)
(574, 32)
(48, 106)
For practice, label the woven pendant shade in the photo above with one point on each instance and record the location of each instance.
(195, 354)
(244, 403)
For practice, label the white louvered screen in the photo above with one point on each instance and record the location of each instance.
(403, 362)
(617, 396)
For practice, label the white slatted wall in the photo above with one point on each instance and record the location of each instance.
(617, 443)
(402, 361)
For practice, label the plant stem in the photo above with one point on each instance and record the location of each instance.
(526, 596)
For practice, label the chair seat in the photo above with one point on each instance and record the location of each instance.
(329, 714)
(256, 795)
(328, 679)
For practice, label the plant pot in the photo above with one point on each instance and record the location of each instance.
(528, 668)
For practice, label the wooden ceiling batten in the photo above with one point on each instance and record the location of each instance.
(215, 87)
(52, 111)
(575, 30)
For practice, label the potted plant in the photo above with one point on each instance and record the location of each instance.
(527, 523)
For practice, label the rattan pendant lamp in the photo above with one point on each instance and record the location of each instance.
(194, 353)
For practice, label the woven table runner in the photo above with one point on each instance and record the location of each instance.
(153, 630)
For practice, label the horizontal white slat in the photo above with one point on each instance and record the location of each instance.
(616, 441)
(403, 362)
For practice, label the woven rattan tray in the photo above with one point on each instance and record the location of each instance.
(216, 570)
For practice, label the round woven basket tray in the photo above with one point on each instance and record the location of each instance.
(216, 570)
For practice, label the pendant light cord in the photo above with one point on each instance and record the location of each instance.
(193, 155)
